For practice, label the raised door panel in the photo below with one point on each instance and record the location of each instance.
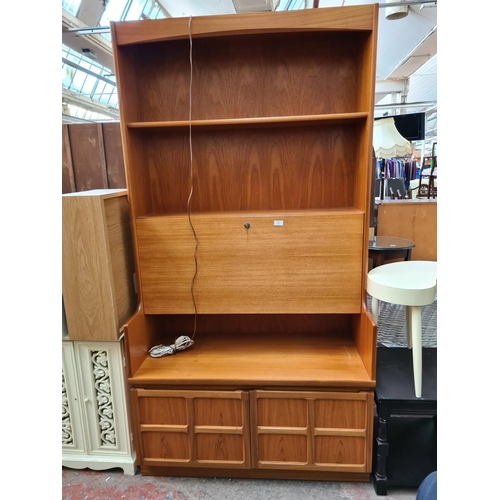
(340, 431)
(312, 430)
(282, 432)
(251, 263)
(192, 428)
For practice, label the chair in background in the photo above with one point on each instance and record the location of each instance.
(395, 188)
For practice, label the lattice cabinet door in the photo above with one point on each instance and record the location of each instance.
(192, 428)
(98, 395)
(312, 430)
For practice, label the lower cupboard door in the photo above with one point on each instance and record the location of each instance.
(192, 428)
(329, 431)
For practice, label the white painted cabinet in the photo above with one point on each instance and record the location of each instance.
(95, 416)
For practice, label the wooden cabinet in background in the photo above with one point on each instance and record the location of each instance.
(97, 264)
(248, 152)
(415, 220)
(92, 157)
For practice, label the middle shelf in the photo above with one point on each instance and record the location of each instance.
(259, 122)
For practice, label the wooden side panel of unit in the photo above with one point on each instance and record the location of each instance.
(120, 256)
(192, 428)
(312, 430)
(280, 263)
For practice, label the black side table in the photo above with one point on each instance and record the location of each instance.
(383, 248)
(405, 448)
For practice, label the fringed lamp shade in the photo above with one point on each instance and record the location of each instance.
(387, 141)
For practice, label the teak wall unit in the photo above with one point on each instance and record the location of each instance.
(277, 119)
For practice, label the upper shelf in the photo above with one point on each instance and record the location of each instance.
(272, 121)
(272, 78)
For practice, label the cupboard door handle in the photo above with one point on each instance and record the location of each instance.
(247, 225)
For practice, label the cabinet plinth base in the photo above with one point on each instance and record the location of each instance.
(255, 474)
(127, 464)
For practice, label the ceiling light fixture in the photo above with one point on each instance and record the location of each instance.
(89, 53)
(396, 12)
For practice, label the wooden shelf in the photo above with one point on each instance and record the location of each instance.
(261, 122)
(267, 360)
(260, 213)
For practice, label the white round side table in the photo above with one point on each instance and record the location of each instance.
(412, 284)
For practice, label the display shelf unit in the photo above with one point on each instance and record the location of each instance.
(247, 148)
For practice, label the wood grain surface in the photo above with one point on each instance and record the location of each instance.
(310, 430)
(415, 220)
(266, 360)
(310, 263)
(193, 428)
(97, 266)
(274, 131)
(356, 18)
(297, 75)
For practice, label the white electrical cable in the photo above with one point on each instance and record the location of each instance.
(183, 342)
(191, 173)
(161, 350)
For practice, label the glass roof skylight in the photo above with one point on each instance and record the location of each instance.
(72, 6)
(82, 76)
